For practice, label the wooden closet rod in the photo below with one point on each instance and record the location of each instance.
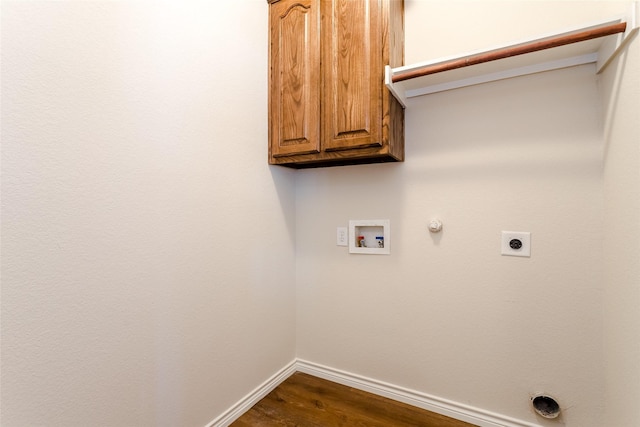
(534, 46)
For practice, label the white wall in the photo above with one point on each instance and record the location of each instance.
(147, 248)
(446, 314)
(620, 86)
(149, 253)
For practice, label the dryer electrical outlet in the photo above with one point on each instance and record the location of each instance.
(516, 243)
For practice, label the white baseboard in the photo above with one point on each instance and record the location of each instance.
(435, 404)
(254, 397)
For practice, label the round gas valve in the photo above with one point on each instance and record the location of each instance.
(435, 225)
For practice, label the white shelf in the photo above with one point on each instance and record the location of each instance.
(596, 50)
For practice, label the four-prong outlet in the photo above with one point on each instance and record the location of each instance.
(516, 243)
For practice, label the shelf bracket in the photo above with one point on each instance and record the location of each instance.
(611, 49)
(399, 95)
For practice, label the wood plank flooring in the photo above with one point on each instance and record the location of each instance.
(307, 401)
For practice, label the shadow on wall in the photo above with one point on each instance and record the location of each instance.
(536, 127)
(284, 183)
(613, 87)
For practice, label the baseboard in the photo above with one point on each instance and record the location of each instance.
(431, 403)
(435, 404)
(254, 397)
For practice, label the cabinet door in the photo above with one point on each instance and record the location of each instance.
(294, 78)
(353, 74)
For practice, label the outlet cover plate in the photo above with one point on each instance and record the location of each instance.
(510, 245)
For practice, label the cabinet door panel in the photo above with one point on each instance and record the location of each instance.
(295, 78)
(352, 74)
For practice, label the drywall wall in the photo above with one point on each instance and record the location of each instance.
(446, 314)
(620, 87)
(147, 247)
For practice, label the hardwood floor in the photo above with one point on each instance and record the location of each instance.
(307, 401)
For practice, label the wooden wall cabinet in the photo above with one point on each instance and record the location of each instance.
(328, 104)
